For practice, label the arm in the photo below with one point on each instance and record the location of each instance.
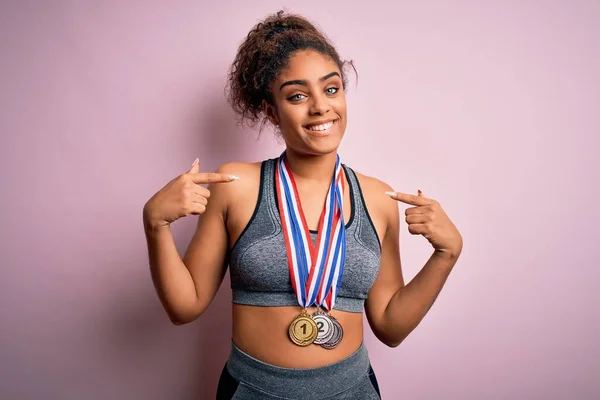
(393, 309)
(187, 286)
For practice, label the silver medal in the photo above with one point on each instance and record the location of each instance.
(325, 327)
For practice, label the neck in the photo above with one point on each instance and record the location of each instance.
(315, 168)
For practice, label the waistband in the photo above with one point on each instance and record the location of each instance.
(329, 380)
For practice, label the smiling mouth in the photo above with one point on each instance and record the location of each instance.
(321, 128)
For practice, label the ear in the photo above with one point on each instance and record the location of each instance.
(271, 112)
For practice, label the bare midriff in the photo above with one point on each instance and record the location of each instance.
(262, 332)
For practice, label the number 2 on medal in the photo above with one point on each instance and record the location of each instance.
(320, 326)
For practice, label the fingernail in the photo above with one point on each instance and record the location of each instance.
(195, 161)
(419, 191)
(391, 194)
(234, 177)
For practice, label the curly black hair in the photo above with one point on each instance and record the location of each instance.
(263, 54)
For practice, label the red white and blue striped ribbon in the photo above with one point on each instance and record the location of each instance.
(315, 269)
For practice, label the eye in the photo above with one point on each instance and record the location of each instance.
(332, 90)
(296, 97)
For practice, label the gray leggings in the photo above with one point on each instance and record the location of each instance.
(246, 378)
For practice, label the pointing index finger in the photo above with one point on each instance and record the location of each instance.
(212, 177)
(409, 198)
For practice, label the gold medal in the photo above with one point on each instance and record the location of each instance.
(303, 329)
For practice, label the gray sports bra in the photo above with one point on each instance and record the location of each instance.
(258, 259)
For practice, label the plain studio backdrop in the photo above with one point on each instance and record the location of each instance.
(490, 107)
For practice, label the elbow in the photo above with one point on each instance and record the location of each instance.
(182, 318)
(181, 309)
(392, 341)
(178, 320)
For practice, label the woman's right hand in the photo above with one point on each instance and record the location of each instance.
(181, 197)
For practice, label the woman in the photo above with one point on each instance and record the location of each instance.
(310, 243)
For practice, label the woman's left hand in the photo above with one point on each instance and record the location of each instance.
(429, 219)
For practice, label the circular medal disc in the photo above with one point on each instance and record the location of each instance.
(337, 336)
(303, 330)
(325, 329)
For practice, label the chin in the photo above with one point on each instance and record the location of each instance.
(323, 147)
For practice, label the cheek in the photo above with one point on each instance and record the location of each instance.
(339, 105)
(340, 109)
(291, 115)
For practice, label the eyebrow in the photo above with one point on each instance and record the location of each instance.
(303, 82)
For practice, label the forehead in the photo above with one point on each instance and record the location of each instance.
(308, 65)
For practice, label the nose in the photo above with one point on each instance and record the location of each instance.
(320, 105)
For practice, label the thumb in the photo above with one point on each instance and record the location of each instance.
(195, 168)
(420, 193)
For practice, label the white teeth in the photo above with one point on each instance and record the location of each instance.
(322, 127)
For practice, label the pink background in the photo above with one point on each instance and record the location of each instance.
(490, 107)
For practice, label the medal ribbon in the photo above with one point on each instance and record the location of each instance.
(315, 269)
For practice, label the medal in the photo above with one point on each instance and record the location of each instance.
(315, 269)
(325, 327)
(338, 334)
(303, 329)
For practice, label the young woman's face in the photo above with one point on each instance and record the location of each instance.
(310, 105)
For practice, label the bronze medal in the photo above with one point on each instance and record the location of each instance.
(338, 334)
(303, 329)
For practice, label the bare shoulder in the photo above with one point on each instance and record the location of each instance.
(231, 193)
(373, 190)
(248, 174)
(381, 207)
(241, 169)
(371, 184)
